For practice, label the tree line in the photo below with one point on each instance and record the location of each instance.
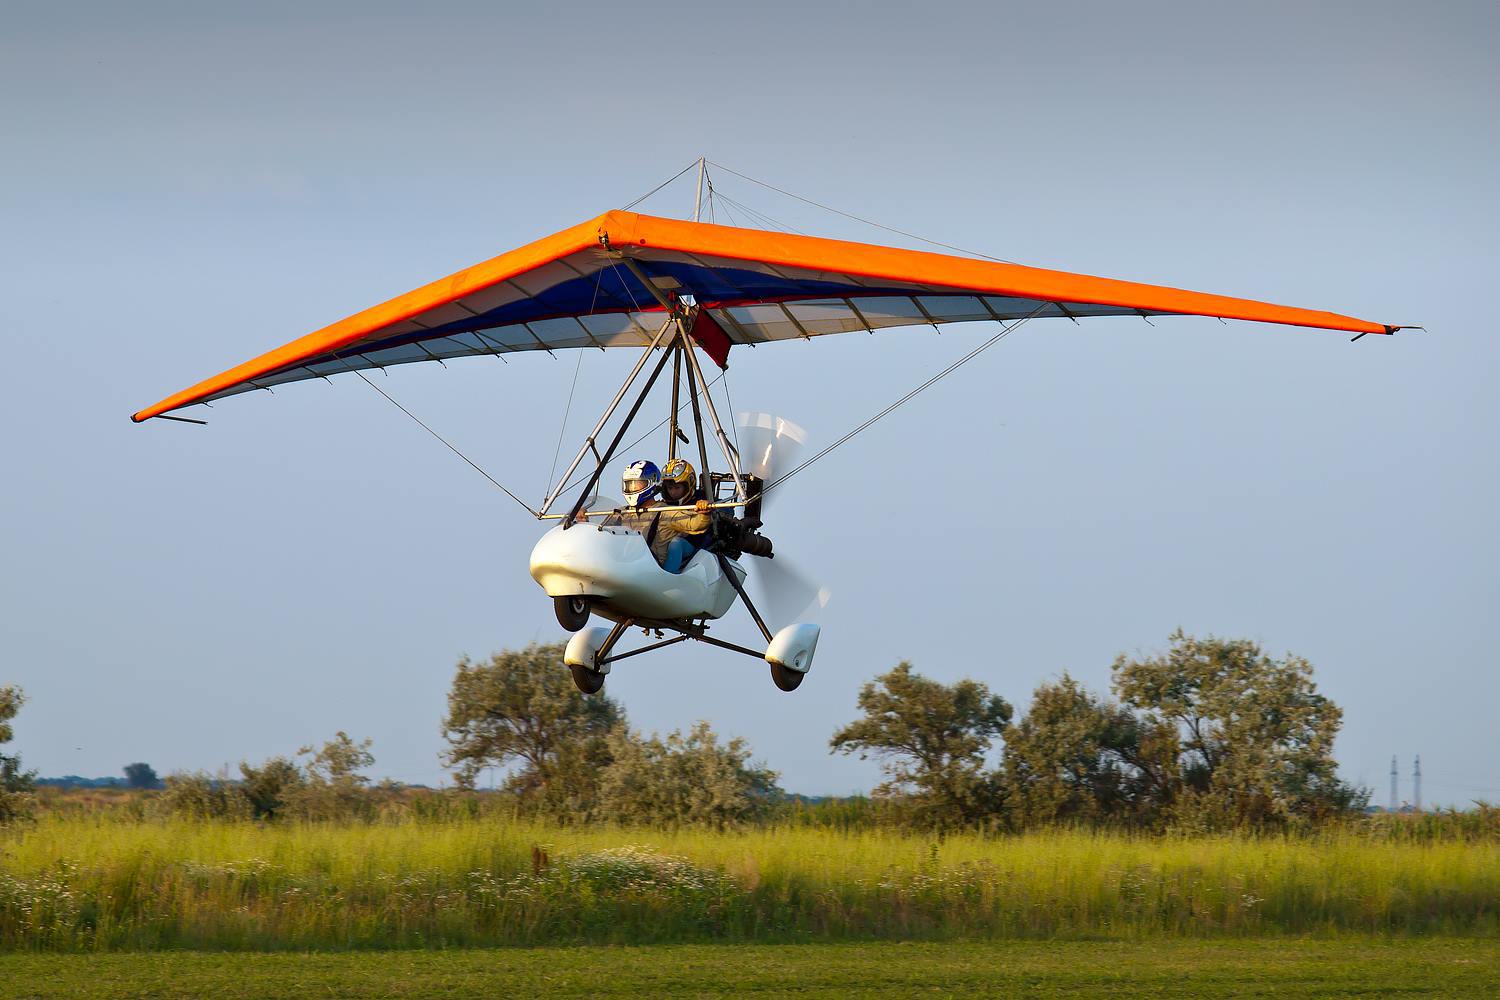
(1211, 734)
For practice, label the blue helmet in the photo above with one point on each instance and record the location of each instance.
(641, 482)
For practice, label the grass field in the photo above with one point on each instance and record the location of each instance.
(1351, 966)
(100, 883)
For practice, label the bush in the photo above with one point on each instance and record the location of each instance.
(200, 795)
(271, 786)
(332, 786)
(683, 780)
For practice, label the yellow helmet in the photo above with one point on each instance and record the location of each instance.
(678, 470)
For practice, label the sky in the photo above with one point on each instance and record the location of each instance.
(189, 185)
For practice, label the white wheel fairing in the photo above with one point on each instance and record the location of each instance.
(614, 564)
(794, 647)
(583, 647)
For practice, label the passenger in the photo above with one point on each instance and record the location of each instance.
(672, 535)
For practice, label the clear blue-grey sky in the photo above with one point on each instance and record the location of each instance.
(187, 185)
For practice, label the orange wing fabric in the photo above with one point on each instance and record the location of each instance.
(570, 291)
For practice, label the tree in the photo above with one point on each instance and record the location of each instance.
(16, 785)
(1069, 758)
(683, 780)
(521, 708)
(139, 775)
(1254, 737)
(932, 738)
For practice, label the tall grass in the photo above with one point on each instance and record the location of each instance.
(102, 882)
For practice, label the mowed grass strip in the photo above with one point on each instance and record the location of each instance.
(94, 884)
(1359, 966)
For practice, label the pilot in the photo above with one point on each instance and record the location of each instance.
(683, 529)
(673, 535)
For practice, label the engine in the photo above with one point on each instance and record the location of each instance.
(738, 535)
(734, 536)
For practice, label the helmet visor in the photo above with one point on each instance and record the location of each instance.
(635, 485)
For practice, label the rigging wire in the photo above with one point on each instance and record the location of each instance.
(928, 383)
(856, 218)
(729, 214)
(446, 443)
(627, 207)
(764, 219)
(734, 424)
(615, 267)
(746, 211)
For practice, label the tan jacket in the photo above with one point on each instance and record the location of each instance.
(672, 524)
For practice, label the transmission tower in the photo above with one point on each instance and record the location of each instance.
(1395, 802)
(1416, 782)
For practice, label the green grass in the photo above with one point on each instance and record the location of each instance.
(1356, 966)
(101, 883)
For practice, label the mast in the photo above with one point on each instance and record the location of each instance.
(698, 197)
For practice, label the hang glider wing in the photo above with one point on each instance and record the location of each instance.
(571, 290)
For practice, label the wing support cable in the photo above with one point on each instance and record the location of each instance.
(446, 443)
(931, 381)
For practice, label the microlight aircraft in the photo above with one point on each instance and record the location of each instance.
(669, 290)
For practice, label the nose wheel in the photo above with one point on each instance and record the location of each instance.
(586, 680)
(572, 612)
(785, 679)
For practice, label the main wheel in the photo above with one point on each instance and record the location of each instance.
(588, 681)
(785, 678)
(572, 612)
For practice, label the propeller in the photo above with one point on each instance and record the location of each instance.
(769, 447)
(784, 590)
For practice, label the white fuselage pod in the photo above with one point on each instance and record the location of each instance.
(614, 566)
